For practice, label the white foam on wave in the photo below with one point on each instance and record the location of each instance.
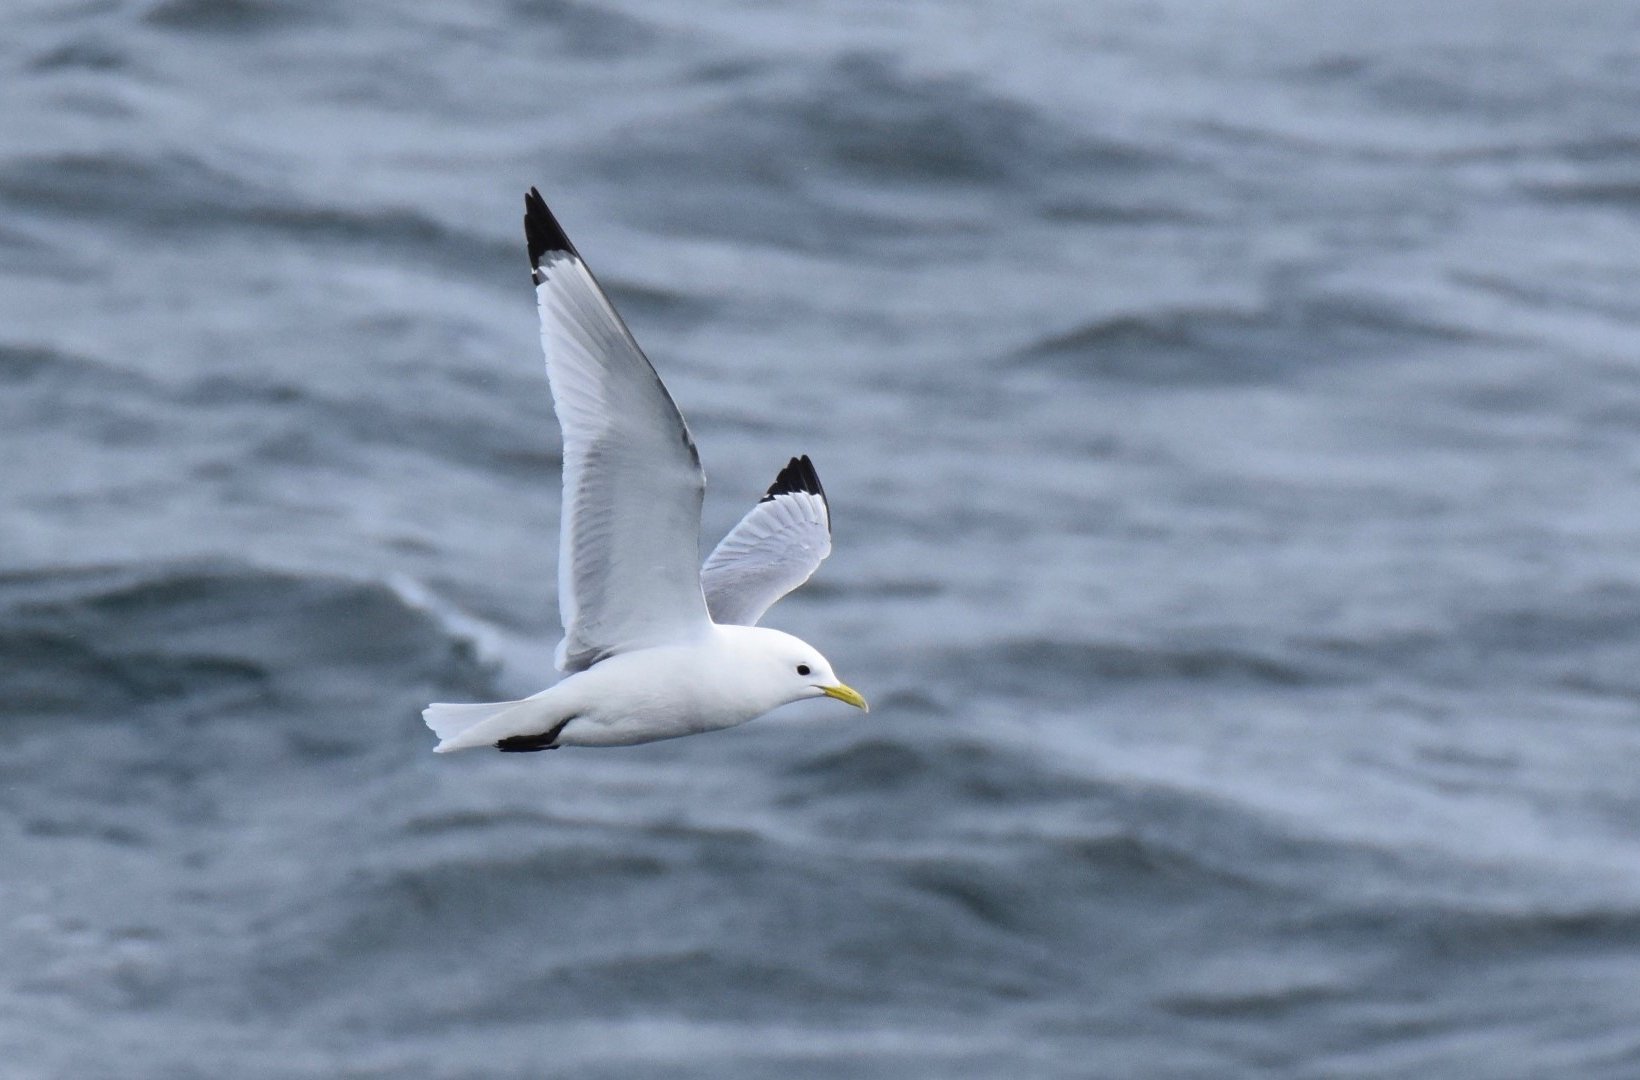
(518, 661)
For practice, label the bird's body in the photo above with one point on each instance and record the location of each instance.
(662, 692)
(656, 646)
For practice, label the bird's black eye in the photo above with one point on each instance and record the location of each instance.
(802, 669)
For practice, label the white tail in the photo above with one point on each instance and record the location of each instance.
(449, 722)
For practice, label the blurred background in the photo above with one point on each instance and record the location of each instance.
(1231, 418)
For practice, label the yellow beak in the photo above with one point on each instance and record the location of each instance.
(848, 694)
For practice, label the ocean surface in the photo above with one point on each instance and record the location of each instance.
(1231, 417)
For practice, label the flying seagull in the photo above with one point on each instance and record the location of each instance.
(655, 644)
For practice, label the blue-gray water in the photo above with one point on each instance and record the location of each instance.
(1231, 413)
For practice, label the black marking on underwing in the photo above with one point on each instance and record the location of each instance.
(528, 744)
(798, 475)
(543, 233)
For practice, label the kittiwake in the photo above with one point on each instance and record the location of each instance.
(655, 645)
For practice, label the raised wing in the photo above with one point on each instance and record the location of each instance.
(774, 549)
(630, 531)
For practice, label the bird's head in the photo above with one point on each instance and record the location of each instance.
(790, 669)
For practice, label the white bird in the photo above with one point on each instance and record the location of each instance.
(655, 645)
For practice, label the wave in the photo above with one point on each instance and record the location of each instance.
(587, 30)
(962, 769)
(53, 372)
(230, 16)
(1582, 640)
(1622, 192)
(1292, 335)
(150, 643)
(817, 157)
(1042, 668)
(284, 423)
(179, 193)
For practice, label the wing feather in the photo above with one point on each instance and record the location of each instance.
(775, 548)
(630, 530)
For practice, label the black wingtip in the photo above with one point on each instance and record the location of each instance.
(542, 231)
(798, 475)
